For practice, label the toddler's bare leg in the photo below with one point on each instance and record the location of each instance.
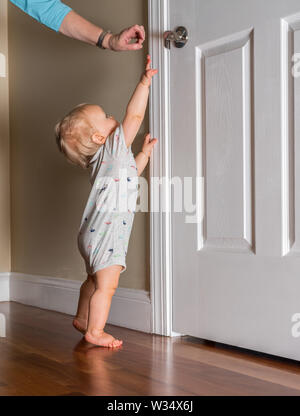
(106, 281)
(86, 290)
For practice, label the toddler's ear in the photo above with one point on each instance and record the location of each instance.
(97, 138)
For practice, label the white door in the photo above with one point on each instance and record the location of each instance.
(235, 121)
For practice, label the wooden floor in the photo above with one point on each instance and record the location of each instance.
(43, 355)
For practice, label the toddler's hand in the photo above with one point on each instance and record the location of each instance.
(149, 73)
(148, 145)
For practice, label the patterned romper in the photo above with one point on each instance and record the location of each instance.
(107, 220)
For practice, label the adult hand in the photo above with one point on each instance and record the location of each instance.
(122, 41)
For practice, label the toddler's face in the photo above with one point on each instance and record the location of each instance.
(101, 121)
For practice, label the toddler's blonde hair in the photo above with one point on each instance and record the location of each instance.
(73, 137)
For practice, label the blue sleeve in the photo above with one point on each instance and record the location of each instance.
(51, 13)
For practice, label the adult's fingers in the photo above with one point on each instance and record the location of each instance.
(127, 35)
(135, 32)
(132, 46)
(140, 32)
(143, 33)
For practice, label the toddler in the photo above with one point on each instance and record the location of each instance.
(88, 137)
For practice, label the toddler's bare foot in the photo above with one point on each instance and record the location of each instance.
(80, 324)
(102, 339)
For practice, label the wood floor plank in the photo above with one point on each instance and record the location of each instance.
(42, 354)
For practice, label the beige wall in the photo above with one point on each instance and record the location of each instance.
(4, 150)
(49, 74)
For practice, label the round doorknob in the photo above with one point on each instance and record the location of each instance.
(179, 37)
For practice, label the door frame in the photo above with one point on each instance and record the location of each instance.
(160, 167)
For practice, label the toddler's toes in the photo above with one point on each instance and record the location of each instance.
(117, 343)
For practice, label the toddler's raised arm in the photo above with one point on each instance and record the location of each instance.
(137, 105)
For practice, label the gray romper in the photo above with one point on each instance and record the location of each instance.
(108, 216)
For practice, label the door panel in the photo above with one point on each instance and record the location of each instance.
(223, 100)
(234, 107)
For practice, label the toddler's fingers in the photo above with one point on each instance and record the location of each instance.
(147, 138)
(148, 64)
(151, 72)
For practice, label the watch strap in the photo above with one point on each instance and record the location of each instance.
(101, 38)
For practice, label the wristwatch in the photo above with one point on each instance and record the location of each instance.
(101, 38)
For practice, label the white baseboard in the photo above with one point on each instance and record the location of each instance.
(4, 287)
(130, 308)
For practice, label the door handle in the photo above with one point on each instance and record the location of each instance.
(179, 37)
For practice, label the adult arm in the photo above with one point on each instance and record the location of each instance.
(76, 27)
